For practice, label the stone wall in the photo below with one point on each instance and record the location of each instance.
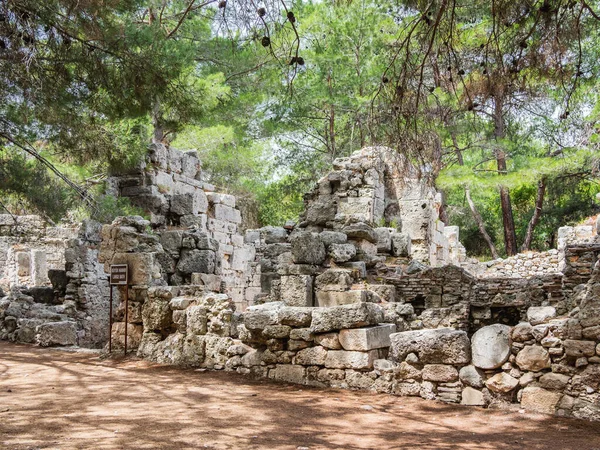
(170, 187)
(57, 292)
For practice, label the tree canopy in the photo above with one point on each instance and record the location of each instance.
(495, 101)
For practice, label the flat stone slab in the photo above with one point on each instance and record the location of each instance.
(364, 339)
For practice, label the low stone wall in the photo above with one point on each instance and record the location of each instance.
(523, 265)
(547, 363)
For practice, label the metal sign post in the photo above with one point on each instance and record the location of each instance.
(118, 277)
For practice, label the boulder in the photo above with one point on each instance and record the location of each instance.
(346, 316)
(533, 358)
(333, 237)
(437, 346)
(364, 339)
(472, 376)
(490, 346)
(502, 382)
(522, 332)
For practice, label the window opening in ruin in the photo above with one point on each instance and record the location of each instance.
(418, 304)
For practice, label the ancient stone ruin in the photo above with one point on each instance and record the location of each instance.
(368, 290)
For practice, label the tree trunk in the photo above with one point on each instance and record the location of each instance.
(159, 131)
(537, 213)
(510, 235)
(480, 224)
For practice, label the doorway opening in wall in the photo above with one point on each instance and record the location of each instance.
(418, 304)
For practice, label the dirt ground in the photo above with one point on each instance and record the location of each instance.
(52, 399)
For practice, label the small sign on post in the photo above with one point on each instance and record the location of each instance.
(118, 274)
(118, 277)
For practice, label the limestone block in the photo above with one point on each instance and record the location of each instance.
(437, 346)
(157, 315)
(307, 248)
(259, 316)
(196, 320)
(540, 314)
(24, 263)
(342, 252)
(329, 340)
(39, 268)
(197, 261)
(227, 213)
(301, 334)
(134, 335)
(540, 400)
(276, 331)
(556, 381)
(364, 339)
(334, 280)
(328, 299)
(533, 358)
(57, 333)
(346, 316)
(384, 239)
(360, 230)
(472, 397)
(313, 356)
(333, 237)
(295, 316)
(401, 244)
(341, 359)
(171, 241)
(490, 346)
(289, 373)
(212, 282)
(440, 373)
(579, 348)
(360, 208)
(143, 267)
(502, 382)
(297, 290)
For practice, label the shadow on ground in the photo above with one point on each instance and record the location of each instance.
(51, 399)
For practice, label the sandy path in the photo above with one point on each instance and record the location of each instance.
(56, 400)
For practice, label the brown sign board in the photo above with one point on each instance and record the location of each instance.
(118, 274)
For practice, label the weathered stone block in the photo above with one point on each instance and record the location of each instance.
(401, 244)
(440, 373)
(472, 397)
(297, 290)
(346, 316)
(313, 356)
(540, 400)
(329, 340)
(258, 317)
(289, 373)
(540, 314)
(295, 316)
(197, 261)
(307, 248)
(341, 359)
(197, 320)
(364, 339)
(438, 346)
(57, 333)
(342, 252)
(579, 348)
